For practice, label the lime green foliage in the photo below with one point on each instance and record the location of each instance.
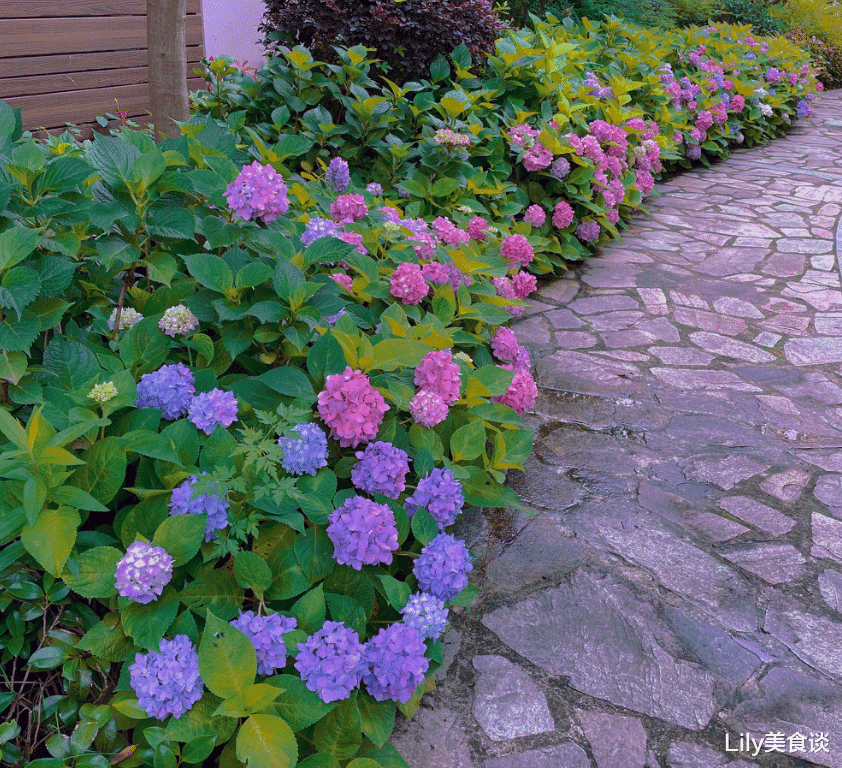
(816, 26)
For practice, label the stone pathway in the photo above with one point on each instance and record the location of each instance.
(682, 582)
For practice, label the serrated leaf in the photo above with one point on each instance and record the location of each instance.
(147, 623)
(52, 538)
(377, 718)
(297, 704)
(266, 741)
(16, 244)
(227, 659)
(104, 472)
(18, 336)
(18, 288)
(314, 553)
(146, 344)
(399, 353)
(397, 592)
(424, 526)
(287, 381)
(71, 363)
(310, 610)
(468, 441)
(181, 536)
(338, 733)
(348, 611)
(12, 366)
(96, 568)
(252, 571)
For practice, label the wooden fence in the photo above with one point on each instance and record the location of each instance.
(72, 60)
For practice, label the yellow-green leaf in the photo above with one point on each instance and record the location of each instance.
(52, 537)
(266, 741)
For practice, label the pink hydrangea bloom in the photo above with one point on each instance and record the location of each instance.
(435, 272)
(523, 135)
(704, 120)
(504, 345)
(601, 130)
(535, 215)
(523, 284)
(351, 408)
(591, 148)
(426, 248)
(563, 215)
(408, 284)
(428, 409)
(517, 250)
(504, 287)
(613, 215)
(737, 103)
(344, 280)
(537, 157)
(644, 181)
(478, 228)
(258, 192)
(449, 232)
(348, 208)
(353, 238)
(438, 373)
(522, 392)
(636, 123)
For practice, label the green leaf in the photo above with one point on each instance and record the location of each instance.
(170, 221)
(285, 278)
(12, 430)
(377, 718)
(144, 343)
(397, 592)
(200, 721)
(363, 762)
(445, 187)
(348, 611)
(34, 496)
(220, 233)
(16, 244)
(314, 761)
(12, 366)
(73, 364)
(325, 357)
(19, 288)
(314, 552)
(266, 741)
(227, 659)
(218, 450)
(185, 438)
(386, 756)
(250, 570)
(292, 145)
(146, 443)
(466, 597)
(310, 610)
(161, 267)
(76, 497)
(52, 538)
(338, 733)
(399, 353)
(113, 158)
(297, 704)
(289, 579)
(104, 472)
(198, 750)
(439, 69)
(48, 658)
(357, 584)
(107, 641)
(468, 442)
(210, 271)
(181, 536)
(287, 381)
(48, 312)
(147, 623)
(96, 573)
(424, 526)
(253, 274)
(19, 335)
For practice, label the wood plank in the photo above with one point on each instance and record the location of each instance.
(33, 37)
(77, 81)
(26, 66)
(56, 109)
(40, 9)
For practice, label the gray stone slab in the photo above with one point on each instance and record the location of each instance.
(588, 306)
(818, 351)
(616, 741)
(595, 631)
(723, 471)
(434, 738)
(563, 319)
(507, 702)
(773, 562)
(684, 754)
(681, 355)
(709, 321)
(557, 756)
(728, 305)
(830, 584)
(661, 329)
(828, 491)
(614, 321)
(726, 347)
(827, 537)
(759, 515)
(793, 703)
(816, 640)
(828, 323)
(786, 486)
(689, 378)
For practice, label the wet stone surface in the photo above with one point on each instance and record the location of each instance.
(681, 582)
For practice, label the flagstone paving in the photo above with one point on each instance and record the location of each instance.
(681, 585)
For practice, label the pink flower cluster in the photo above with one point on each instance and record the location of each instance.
(258, 192)
(408, 284)
(562, 215)
(428, 409)
(537, 157)
(344, 280)
(535, 215)
(348, 208)
(449, 233)
(439, 374)
(478, 228)
(522, 392)
(523, 136)
(351, 408)
(517, 251)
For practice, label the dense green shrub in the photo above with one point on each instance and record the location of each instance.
(407, 35)
(816, 26)
(752, 12)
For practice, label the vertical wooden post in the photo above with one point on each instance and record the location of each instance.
(165, 24)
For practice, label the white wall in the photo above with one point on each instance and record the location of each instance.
(231, 29)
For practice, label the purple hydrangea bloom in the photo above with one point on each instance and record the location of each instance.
(331, 662)
(171, 387)
(693, 151)
(307, 454)
(588, 231)
(167, 683)
(331, 319)
(374, 189)
(143, 572)
(211, 408)
(427, 614)
(266, 634)
(382, 468)
(215, 506)
(395, 663)
(440, 493)
(318, 227)
(363, 532)
(338, 175)
(258, 192)
(443, 567)
(560, 168)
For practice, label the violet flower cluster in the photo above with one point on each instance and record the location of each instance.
(258, 192)
(214, 505)
(142, 572)
(395, 663)
(266, 635)
(316, 228)
(382, 468)
(331, 662)
(171, 388)
(427, 614)
(167, 683)
(338, 175)
(440, 493)
(305, 454)
(443, 566)
(363, 532)
(209, 409)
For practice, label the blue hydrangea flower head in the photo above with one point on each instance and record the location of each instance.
(208, 409)
(443, 567)
(214, 505)
(318, 227)
(266, 634)
(338, 175)
(143, 572)
(171, 387)
(440, 493)
(167, 683)
(427, 614)
(382, 468)
(363, 532)
(305, 454)
(332, 661)
(395, 663)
